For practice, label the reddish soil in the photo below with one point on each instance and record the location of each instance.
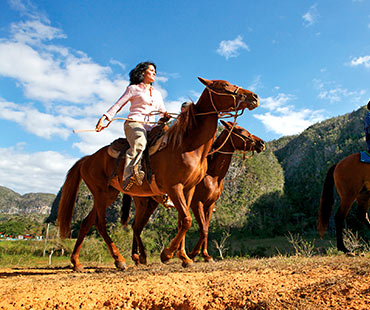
(337, 282)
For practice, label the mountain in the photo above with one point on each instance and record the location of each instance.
(306, 158)
(14, 203)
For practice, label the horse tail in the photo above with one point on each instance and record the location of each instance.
(326, 201)
(125, 209)
(68, 198)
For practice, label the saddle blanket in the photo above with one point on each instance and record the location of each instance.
(365, 157)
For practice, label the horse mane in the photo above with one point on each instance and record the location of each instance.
(185, 122)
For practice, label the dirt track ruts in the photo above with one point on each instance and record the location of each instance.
(277, 283)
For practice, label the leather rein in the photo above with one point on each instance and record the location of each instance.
(234, 94)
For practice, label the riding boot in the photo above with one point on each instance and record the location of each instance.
(136, 170)
(132, 172)
(128, 178)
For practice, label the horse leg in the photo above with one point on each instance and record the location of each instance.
(198, 212)
(184, 222)
(144, 209)
(340, 216)
(101, 225)
(84, 229)
(205, 254)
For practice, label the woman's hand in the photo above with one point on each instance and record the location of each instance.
(165, 118)
(100, 125)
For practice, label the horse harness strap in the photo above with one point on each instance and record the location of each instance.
(223, 143)
(236, 104)
(243, 138)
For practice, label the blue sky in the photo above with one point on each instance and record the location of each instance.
(64, 63)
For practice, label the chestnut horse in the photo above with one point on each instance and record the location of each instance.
(207, 192)
(352, 180)
(177, 169)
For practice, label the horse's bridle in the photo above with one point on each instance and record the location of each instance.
(234, 94)
(243, 138)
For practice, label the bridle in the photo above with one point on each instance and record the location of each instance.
(245, 139)
(233, 94)
(237, 103)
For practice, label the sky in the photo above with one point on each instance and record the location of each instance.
(64, 63)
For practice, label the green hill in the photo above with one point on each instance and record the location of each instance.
(306, 158)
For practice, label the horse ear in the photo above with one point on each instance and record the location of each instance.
(227, 125)
(205, 81)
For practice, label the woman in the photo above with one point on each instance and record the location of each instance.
(144, 100)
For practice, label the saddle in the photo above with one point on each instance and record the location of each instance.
(157, 141)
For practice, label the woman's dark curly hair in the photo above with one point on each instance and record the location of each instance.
(137, 74)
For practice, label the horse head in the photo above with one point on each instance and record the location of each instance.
(226, 97)
(242, 139)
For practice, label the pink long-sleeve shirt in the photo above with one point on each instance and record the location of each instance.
(143, 102)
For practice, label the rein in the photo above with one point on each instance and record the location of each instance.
(124, 119)
(229, 114)
(243, 138)
(223, 114)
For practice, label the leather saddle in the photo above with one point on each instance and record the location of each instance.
(157, 141)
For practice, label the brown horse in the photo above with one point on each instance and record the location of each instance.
(177, 169)
(352, 180)
(207, 192)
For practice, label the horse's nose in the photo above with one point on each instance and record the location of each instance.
(263, 145)
(256, 100)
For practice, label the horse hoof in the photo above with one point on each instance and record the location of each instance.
(136, 259)
(165, 256)
(209, 259)
(121, 265)
(78, 268)
(350, 254)
(187, 264)
(142, 260)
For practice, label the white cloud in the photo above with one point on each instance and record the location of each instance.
(282, 118)
(26, 8)
(117, 63)
(311, 16)
(48, 72)
(256, 84)
(38, 123)
(230, 48)
(361, 61)
(334, 93)
(36, 172)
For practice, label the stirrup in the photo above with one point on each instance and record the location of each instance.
(138, 176)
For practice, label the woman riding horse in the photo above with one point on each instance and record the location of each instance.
(189, 141)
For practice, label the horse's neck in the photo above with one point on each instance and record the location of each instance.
(219, 164)
(203, 134)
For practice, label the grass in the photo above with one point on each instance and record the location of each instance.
(94, 251)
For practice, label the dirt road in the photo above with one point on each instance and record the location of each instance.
(337, 282)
